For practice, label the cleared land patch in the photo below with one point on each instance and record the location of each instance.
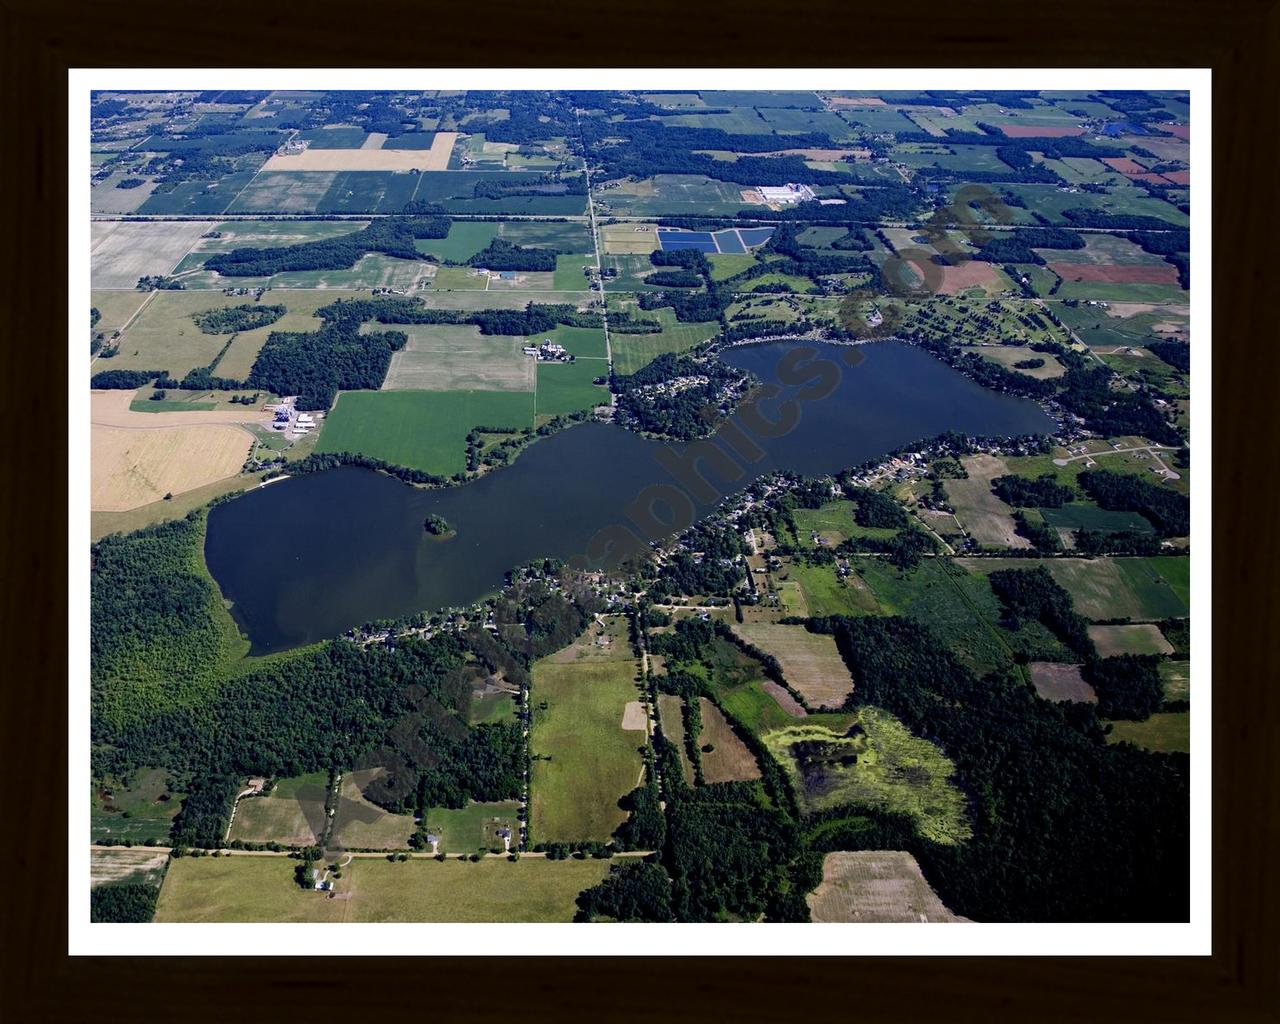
(292, 813)
(1142, 638)
(321, 159)
(1058, 682)
(729, 759)
(448, 358)
(123, 865)
(810, 661)
(987, 519)
(133, 467)
(361, 824)
(1165, 732)
(875, 886)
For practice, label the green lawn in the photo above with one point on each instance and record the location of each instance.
(826, 594)
(471, 828)
(593, 761)
(421, 429)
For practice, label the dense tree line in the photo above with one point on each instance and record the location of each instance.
(128, 903)
(226, 320)
(503, 255)
(1128, 686)
(1168, 511)
(1065, 828)
(316, 365)
(123, 380)
(1021, 245)
(1116, 542)
(393, 236)
(876, 509)
(632, 891)
(1176, 353)
(1042, 492)
(205, 813)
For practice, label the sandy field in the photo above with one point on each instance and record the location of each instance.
(434, 159)
(133, 467)
(855, 101)
(111, 409)
(969, 274)
(634, 717)
(876, 886)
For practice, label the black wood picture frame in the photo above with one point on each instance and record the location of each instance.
(1238, 39)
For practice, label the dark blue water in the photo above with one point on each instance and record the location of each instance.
(310, 557)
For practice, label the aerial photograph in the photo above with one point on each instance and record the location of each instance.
(638, 506)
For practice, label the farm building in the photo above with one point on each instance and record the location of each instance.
(786, 194)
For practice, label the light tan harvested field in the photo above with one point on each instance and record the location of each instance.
(374, 140)
(134, 467)
(624, 238)
(987, 519)
(810, 661)
(1057, 682)
(876, 886)
(830, 155)
(118, 864)
(1139, 638)
(456, 358)
(634, 717)
(729, 760)
(434, 159)
(120, 252)
(855, 101)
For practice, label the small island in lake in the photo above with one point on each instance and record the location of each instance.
(437, 526)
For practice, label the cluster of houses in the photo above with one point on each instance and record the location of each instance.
(548, 351)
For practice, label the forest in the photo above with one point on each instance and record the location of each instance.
(1066, 828)
(1022, 492)
(316, 365)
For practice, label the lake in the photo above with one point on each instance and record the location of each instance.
(312, 556)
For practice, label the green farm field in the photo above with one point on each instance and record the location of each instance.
(632, 352)
(465, 239)
(583, 760)
(421, 429)
(567, 387)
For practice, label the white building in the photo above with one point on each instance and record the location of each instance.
(785, 194)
